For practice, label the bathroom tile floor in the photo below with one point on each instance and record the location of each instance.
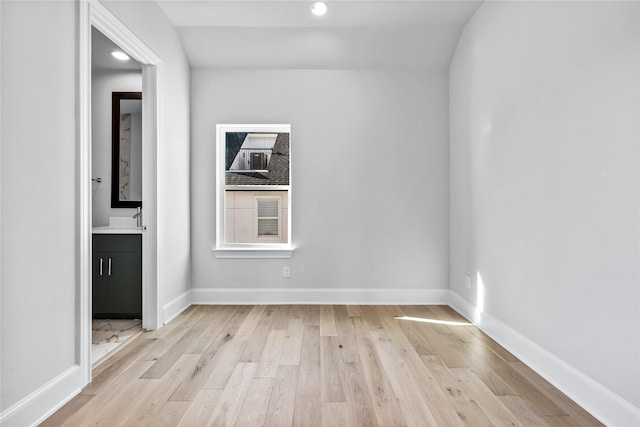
(109, 334)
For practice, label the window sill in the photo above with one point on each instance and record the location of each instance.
(253, 253)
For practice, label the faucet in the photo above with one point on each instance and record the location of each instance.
(138, 217)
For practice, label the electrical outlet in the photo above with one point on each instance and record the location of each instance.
(467, 281)
(286, 271)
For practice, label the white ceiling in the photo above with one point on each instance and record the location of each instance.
(360, 34)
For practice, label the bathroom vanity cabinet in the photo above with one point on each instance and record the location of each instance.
(117, 276)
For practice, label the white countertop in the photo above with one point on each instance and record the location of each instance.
(116, 230)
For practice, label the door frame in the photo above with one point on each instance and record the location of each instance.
(94, 14)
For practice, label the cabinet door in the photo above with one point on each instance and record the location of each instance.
(125, 283)
(100, 283)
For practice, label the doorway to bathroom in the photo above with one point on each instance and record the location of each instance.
(116, 196)
(116, 262)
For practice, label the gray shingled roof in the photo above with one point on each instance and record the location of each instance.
(278, 168)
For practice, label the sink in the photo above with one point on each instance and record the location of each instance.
(122, 222)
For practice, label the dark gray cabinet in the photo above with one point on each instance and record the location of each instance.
(117, 276)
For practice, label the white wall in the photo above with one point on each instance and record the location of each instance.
(39, 171)
(152, 26)
(544, 179)
(103, 83)
(39, 205)
(363, 215)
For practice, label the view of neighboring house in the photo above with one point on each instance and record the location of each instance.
(255, 152)
(256, 159)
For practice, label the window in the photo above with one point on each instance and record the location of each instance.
(253, 191)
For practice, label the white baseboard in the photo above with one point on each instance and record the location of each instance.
(318, 296)
(602, 403)
(43, 402)
(176, 306)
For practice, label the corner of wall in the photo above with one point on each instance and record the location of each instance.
(173, 308)
(602, 403)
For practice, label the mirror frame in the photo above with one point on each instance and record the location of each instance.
(115, 150)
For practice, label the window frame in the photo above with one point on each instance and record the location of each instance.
(248, 250)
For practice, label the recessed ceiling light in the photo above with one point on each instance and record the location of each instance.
(120, 55)
(319, 8)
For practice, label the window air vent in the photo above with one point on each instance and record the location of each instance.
(268, 212)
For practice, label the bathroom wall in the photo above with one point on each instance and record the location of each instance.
(103, 83)
(369, 191)
(545, 186)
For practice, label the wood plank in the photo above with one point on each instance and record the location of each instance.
(446, 348)
(522, 411)
(560, 399)
(282, 398)
(68, 410)
(327, 321)
(311, 315)
(490, 404)
(354, 311)
(360, 409)
(522, 387)
(384, 400)
(334, 414)
(414, 410)
(254, 408)
(490, 378)
(561, 421)
(331, 388)
(308, 410)
(465, 405)
(297, 312)
(180, 322)
(163, 342)
(270, 358)
(116, 390)
(370, 318)
(255, 345)
(346, 335)
(281, 317)
(200, 409)
(215, 319)
(419, 341)
(440, 404)
(153, 394)
(226, 411)
(121, 395)
(191, 385)
(171, 356)
(292, 346)
(233, 354)
(114, 366)
(444, 312)
(168, 413)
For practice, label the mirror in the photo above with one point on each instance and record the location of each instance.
(126, 163)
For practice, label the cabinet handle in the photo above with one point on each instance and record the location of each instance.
(109, 266)
(101, 261)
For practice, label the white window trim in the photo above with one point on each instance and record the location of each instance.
(247, 250)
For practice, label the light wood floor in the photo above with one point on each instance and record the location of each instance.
(317, 366)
